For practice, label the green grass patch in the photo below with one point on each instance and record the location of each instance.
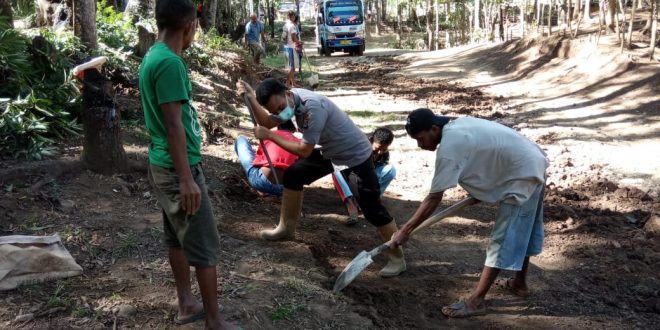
(285, 312)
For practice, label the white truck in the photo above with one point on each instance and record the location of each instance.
(340, 26)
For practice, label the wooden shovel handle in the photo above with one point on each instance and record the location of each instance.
(467, 201)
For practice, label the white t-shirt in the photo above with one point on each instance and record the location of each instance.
(289, 29)
(492, 162)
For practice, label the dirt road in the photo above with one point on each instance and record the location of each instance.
(599, 268)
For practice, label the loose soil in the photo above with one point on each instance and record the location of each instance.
(598, 269)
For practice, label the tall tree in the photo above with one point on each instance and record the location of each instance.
(84, 22)
(654, 27)
(6, 11)
(429, 32)
(436, 10)
(632, 21)
(209, 13)
(587, 10)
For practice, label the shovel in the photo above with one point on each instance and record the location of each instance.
(364, 259)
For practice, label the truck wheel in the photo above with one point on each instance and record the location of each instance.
(327, 51)
(360, 50)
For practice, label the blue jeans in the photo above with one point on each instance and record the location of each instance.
(255, 176)
(385, 174)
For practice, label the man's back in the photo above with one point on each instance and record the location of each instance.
(489, 160)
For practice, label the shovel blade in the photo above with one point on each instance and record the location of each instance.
(352, 270)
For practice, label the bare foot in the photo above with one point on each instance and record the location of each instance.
(187, 312)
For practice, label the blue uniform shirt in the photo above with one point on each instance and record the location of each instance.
(253, 30)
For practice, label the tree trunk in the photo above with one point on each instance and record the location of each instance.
(569, 15)
(475, 20)
(436, 9)
(6, 11)
(209, 14)
(522, 18)
(383, 8)
(632, 21)
(103, 151)
(654, 27)
(587, 10)
(429, 32)
(84, 22)
(550, 19)
(377, 14)
(447, 31)
(146, 38)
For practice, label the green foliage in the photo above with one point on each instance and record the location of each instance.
(37, 93)
(201, 53)
(113, 29)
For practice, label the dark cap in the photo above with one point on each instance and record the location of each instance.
(422, 120)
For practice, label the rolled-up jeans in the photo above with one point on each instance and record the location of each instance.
(255, 176)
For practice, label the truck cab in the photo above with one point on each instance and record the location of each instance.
(340, 26)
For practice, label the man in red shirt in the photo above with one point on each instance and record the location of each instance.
(255, 165)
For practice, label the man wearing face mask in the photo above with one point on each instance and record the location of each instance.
(342, 146)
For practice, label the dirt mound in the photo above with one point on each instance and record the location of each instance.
(448, 98)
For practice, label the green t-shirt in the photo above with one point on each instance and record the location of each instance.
(164, 79)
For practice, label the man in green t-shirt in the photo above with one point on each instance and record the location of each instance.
(175, 171)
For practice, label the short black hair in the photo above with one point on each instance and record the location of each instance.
(382, 135)
(268, 88)
(174, 14)
(291, 14)
(287, 126)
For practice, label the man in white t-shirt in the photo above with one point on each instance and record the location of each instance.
(494, 164)
(293, 44)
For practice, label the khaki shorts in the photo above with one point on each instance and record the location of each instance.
(196, 234)
(257, 48)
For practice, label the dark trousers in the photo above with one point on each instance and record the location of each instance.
(307, 170)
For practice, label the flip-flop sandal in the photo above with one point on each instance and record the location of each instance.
(460, 310)
(504, 284)
(199, 316)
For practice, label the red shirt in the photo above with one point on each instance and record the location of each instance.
(281, 158)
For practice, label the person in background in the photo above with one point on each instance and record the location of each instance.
(255, 38)
(290, 35)
(380, 139)
(255, 165)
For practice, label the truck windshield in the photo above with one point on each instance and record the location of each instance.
(346, 12)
